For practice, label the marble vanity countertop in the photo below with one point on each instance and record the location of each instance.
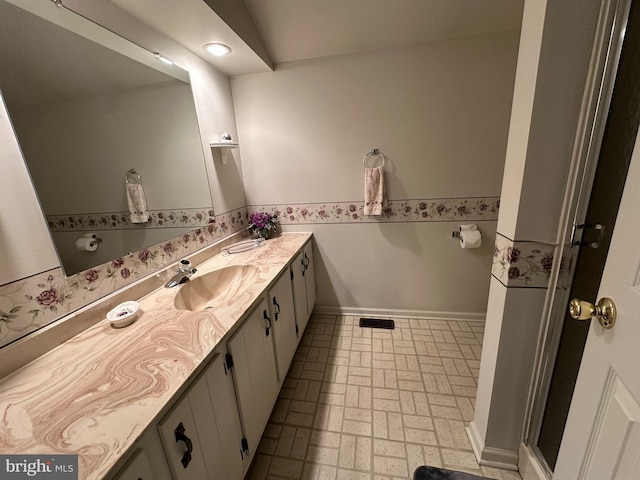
(97, 393)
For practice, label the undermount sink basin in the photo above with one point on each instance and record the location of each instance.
(216, 288)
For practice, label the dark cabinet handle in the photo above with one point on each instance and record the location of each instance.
(306, 261)
(266, 317)
(277, 315)
(304, 267)
(180, 436)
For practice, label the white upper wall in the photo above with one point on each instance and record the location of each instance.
(439, 112)
(26, 247)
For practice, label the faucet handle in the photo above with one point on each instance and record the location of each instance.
(184, 265)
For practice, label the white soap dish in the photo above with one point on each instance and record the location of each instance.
(124, 314)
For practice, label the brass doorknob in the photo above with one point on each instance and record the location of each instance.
(604, 310)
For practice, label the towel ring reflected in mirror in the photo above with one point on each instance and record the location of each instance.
(132, 172)
(372, 153)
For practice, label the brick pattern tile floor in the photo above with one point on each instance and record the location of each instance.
(375, 404)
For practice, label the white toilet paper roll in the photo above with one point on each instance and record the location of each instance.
(86, 244)
(470, 239)
(92, 236)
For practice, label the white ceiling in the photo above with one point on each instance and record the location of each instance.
(301, 29)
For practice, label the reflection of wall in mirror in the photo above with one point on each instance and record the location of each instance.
(78, 151)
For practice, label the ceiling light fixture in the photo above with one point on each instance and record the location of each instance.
(217, 49)
(163, 59)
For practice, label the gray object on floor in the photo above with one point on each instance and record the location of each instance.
(377, 323)
(435, 473)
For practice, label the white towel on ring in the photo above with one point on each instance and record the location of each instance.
(373, 191)
(137, 203)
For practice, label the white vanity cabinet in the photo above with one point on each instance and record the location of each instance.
(285, 336)
(138, 467)
(201, 435)
(252, 360)
(304, 286)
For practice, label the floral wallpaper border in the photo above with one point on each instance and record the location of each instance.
(194, 217)
(426, 210)
(31, 303)
(522, 263)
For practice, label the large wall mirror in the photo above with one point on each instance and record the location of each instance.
(87, 106)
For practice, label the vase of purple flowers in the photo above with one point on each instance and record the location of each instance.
(262, 224)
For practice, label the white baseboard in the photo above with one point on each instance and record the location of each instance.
(529, 466)
(393, 313)
(490, 457)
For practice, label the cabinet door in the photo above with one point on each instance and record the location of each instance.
(207, 433)
(309, 277)
(225, 406)
(254, 372)
(137, 468)
(180, 441)
(280, 299)
(299, 292)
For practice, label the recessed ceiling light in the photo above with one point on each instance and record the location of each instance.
(217, 49)
(163, 59)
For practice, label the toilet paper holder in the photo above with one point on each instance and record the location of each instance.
(461, 228)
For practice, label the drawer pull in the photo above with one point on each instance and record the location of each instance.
(180, 436)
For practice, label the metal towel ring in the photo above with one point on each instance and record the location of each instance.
(132, 172)
(374, 151)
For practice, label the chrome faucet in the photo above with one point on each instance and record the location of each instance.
(182, 275)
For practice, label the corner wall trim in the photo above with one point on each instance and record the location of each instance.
(529, 466)
(384, 312)
(490, 457)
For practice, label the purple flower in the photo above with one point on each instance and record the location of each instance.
(144, 255)
(289, 210)
(482, 207)
(463, 210)
(547, 263)
(514, 272)
(91, 275)
(201, 238)
(339, 211)
(440, 208)
(496, 251)
(125, 273)
(322, 214)
(210, 229)
(211, 213)
(352, 208)
(48, 298)
(422, 206)
(425, 215)
(117, 263)
(304, 212)
(513, 254)
(168, 247)
(199, 216)
(292, 217)
(114, 217)
(186, 238)
(355, 216)
(160, 215)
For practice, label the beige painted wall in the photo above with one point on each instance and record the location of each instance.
(25, 245)
(440, 114)
(94, 140)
